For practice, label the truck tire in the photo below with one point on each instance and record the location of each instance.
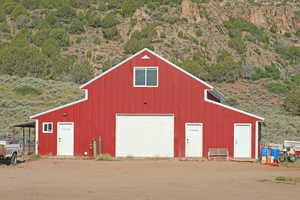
(13, 159)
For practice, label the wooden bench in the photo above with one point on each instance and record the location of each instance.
(217, 153)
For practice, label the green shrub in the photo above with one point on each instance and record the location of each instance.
(149, 32)
(51, 20)
(27, 90)
(298, 33)
(109, 21)
(19, 58)
(238, 44)
(133, 22)
(18, 11)
(291, 102)
(129, 6)
(267, 72)
(277, 88)
(196, 65)
(180, 34)
(134, 45)
(8, 6)
(236, 25)
(40, 36)
(226, 68)
(61, 36)
(273, 28)
(2, 16)
(81, 3)
(103, 6)
(4, 27)
(35, 157)
(97, 41)
(287, 34)
(199, 31)
(81, 72)
(50, 47)
(93, 20)
(141, 39)
(66, 13)
(291, 53)
(297, 14)
(77, 27)
(111, 33)
(31, 4)
(105, 157)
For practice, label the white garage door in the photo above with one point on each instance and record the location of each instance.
(145, 135)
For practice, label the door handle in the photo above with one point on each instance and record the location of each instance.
(187, 140)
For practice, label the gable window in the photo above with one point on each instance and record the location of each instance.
(145, 76)
(47, 127)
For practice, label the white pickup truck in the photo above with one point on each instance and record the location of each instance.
(9, 152)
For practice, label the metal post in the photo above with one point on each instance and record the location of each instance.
(23, 147)
(29, 141)
(100, 145)
(94, 148)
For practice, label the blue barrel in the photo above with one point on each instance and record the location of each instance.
(265, 152)
(275, 153)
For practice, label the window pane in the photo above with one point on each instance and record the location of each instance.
(139, 76)
(45, 127)
(152, 77)
(49, 127)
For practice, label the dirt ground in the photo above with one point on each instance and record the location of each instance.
(144, 180)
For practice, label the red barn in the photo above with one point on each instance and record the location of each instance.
(147, 106)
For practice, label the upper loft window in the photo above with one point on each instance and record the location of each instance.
(47, 127)
(145, 77)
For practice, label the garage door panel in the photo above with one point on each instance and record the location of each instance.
(144, 136)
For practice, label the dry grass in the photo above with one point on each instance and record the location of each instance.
(287, 180)
(291, 164)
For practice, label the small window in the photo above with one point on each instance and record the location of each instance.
(145, 77)
(47, 127)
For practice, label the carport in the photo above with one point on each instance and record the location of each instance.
(26, 139)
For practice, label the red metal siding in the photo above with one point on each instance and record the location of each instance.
(114, 93)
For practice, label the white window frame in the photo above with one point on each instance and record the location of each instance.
(157, 80)
(45, 131)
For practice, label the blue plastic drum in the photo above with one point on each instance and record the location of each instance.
(275, 153)
(265, 152)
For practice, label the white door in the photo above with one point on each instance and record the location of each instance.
(242, 141)
(193, 139)
(65, 139)
(145, 135)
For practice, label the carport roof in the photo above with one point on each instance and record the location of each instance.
(25, 125)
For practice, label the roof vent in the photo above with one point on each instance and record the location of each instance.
(145, 57)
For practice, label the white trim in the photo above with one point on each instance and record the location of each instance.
(251, 142)
(145, 114)
(57, 135)
(36, 136)
(229, 107)
(63, 106)
(43, 126)
(157, 80)
(256, 140)
(145, 49)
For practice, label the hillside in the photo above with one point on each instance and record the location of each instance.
(249, 49)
